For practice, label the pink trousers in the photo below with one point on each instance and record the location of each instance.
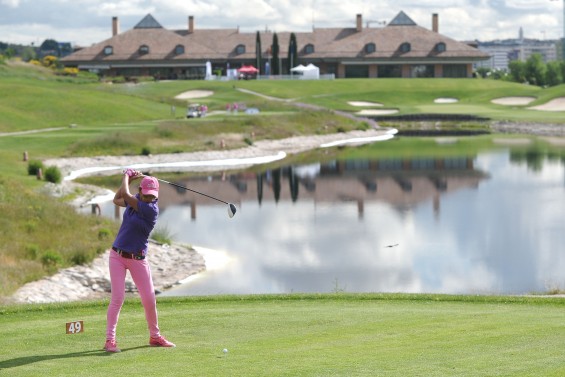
(141, 274)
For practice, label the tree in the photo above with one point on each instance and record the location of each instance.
(28, 53)
(535, 70)
(292, 52)
(50, 47)
(517, 70)
(258, 51)
(553, 76)
(276, 68)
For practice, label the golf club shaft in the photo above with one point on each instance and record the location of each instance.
(186, 188)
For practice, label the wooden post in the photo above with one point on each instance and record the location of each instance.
(26, 156)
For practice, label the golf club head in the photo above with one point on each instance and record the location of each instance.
(231, 210)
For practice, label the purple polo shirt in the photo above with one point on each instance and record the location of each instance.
(136, 226)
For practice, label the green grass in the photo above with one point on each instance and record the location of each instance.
(296, 335)
(41, 234)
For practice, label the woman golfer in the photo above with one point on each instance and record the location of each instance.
(129, 252)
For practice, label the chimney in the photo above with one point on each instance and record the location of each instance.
(435, 23)
(359, 22)
(191, 24)
(115, 26)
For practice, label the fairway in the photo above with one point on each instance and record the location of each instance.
(296, 335)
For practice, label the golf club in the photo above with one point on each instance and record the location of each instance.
(231, 207)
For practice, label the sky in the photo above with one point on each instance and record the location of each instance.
(85, 22)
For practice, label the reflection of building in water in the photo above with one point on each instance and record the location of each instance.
(402, 183)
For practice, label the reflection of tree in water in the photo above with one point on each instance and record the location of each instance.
(293, 182)
(535, 157)
(277, 173)
(260, 188)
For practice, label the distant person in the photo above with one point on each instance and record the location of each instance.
(129, 252)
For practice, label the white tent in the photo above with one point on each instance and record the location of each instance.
(309, 72)
(299, 68)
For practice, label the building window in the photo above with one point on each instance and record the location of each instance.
(356, 71)
(179, 50)
(144, 49)
(455, 70)
(389, 70)
(240, 49)
(309, 49)
(440, 47)
(370, 48)
(405, 47)
(108, 50)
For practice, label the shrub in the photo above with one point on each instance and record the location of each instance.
(49, 61)
(104, 234)
(33, 167)
(32, 251)
(50, 260)
(162, 235)
(69, 71)
(53, 174)
(79, 258)
(30, 226)
(145, 151)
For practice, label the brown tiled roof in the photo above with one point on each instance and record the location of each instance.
(329, 44)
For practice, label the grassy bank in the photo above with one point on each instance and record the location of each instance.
(296, 335)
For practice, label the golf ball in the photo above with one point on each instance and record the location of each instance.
(225, 350)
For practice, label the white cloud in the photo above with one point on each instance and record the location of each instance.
(10, 3)
(84, 21)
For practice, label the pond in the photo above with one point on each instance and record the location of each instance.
(490, 223)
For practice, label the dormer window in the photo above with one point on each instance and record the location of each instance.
(440, 47)
(179, 50)
(405, 47)
(370, 48)
(309, 48)
(143, 49)
(240, 49)
(108, 50)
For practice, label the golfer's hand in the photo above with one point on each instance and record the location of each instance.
(133, 174)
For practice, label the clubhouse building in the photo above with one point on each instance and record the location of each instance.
(399, 49)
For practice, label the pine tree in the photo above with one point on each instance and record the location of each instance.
(292, 52)
(276, 68)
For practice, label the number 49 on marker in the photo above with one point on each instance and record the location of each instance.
(75, 327)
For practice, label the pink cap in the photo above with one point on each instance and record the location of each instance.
(150, 186)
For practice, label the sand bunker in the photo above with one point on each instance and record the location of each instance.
(364, 104)
(377, 112)
(195, 94)
(446, 100)
(557, 104)
(513, 101)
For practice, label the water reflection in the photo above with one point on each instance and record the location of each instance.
(480, 224)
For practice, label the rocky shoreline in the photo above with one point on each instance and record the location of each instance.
(170, 264)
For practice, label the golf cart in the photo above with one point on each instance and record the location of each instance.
(194, 111)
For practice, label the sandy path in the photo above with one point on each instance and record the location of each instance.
(259, 149)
